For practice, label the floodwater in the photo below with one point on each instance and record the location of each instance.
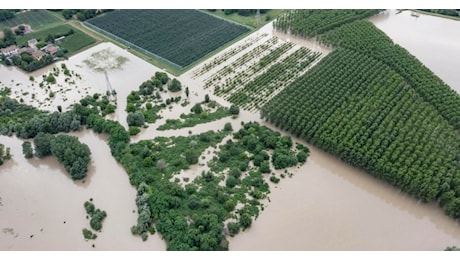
(326, 205)
(433, 40)
(42, 208)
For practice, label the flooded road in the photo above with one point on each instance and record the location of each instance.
(433, 40)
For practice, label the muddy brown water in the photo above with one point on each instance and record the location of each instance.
(433, 40)
(326, 205)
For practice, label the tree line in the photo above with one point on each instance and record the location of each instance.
(374, 105)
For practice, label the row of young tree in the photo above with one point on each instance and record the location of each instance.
(412, 141)
(356, 107)
(364, 37)
(255, 93)
(313, 22)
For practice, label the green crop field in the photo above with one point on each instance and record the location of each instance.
(72, 43)
(178, 36)
(37, 19)
(76, 41)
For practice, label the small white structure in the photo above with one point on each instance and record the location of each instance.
(32, 43)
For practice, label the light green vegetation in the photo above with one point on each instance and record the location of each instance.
(72, 43)
(37, 19)
(237, 176)
(212, 112)
(250, 20)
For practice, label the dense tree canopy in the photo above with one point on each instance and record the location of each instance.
(375, 106)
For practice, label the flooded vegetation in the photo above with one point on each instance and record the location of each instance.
(324, 204)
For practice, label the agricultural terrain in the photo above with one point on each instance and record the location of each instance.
(201, 153)
(376, 107)
(162, 34)
(37, 19)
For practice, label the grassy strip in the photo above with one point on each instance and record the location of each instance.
(76, 42)
(37, 19)
(248, 20)
(193, 119)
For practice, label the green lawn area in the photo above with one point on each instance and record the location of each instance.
(37, 19)
(76, 41)
(72, 43)
(249, 20)
(42, 34)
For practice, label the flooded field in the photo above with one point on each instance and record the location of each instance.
(433, 40)
(326, 205)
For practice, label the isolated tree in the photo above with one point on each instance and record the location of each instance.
(136, 119)
(197, 109)
(234, 110)
(175, 86)
(27, 150)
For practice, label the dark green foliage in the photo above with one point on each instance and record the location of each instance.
(87, 234)
(274, 179)
(233, 228)
(42, 144)
(27, 150)
(313, 22)
(234, 110)
(301, 156)
(452, 248)
(206, 98)
(102, 104)
(89, 207)
(175, 86)
(191, 156)
(26, 62)
(134, 130)
(82, 14)
(74, 155)
(198, 116)
(159, 32)
(9, 38)
(376, 107)
(6, 14)
(265, 167)
(4, 154)
(197, 109)
(448, 12)
(228, 127)
(135, 119)
(162, 77)
(145, 95)
(245, 221)
(231, 182)
(283, 158)
(97, 216)
(191, 216)
(363, 36)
